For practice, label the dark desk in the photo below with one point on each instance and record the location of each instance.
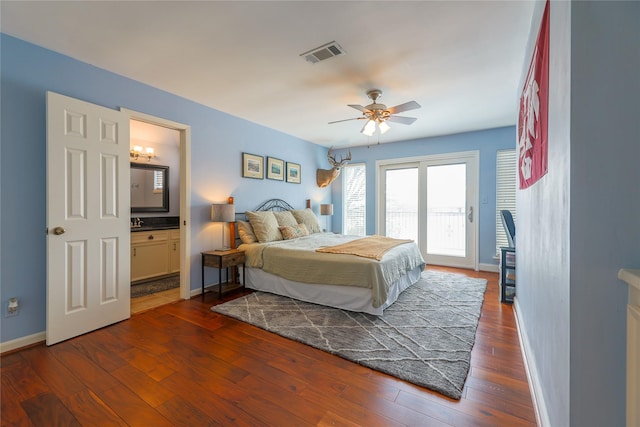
(507, 274)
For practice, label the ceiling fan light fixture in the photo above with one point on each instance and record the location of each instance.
(369, 128)
(376, 115)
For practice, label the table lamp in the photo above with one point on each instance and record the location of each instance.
(223, 213)
(326, 210)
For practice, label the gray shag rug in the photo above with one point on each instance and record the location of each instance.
(424, 338)
(147, 288)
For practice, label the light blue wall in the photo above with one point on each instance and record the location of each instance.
(487, 142)
(579, 224)
(605, 206)
(218, 139)
(543, 296)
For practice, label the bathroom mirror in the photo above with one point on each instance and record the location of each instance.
(149, 188)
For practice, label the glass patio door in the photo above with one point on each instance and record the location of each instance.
(401, 203)
(433, 201)
(447, 213)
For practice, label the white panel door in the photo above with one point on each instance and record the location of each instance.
(88, 217)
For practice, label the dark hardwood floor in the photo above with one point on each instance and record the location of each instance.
(183, 365)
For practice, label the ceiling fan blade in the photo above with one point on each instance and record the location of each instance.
(411, 105)
(359, 108)
(346, 120)
(402, 119)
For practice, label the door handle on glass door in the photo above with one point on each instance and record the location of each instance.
(470, 216)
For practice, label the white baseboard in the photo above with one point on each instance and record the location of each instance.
(198, 291)
(23, 342)
(494, 268)
(539, 405)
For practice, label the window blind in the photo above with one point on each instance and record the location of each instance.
(506, 167)
(354, 201)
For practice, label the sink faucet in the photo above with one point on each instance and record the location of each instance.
(137, 223)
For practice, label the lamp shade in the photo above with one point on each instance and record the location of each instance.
(326, 209)
(369, 128)
(223, 213)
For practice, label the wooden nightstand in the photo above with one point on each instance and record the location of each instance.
(223, 259)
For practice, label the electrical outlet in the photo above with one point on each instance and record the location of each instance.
(11, 308)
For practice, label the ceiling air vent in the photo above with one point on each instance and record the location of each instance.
(323, 52)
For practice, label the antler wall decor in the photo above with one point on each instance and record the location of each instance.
(325, 177)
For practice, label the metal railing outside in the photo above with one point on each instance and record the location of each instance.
(446, 232)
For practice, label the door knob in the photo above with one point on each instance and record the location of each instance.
(58, 231)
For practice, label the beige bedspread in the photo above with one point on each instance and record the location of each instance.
(368, 247)
(298, 260)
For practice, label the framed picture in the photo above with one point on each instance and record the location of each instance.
(293, 173)
(275, 168)
(252, 166)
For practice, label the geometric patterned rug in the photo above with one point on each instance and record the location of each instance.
(424, 338)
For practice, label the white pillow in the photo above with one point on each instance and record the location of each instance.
(245, 231)
(285, 219)
(265, 226)
(308, 218)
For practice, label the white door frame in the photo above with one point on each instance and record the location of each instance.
(473, 155)
(185, 191)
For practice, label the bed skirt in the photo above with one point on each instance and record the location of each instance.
(350, 298)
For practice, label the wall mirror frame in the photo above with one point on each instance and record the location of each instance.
(149, 188)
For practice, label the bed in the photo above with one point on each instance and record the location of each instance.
(292, 266)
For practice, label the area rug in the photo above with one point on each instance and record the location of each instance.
(154, 286)
(425, 337)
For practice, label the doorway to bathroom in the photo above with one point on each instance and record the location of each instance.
(160, 211)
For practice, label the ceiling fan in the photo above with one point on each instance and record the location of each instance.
(377, 115)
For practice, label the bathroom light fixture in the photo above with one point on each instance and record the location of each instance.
(137, 151)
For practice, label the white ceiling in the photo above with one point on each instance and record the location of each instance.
(461, 60)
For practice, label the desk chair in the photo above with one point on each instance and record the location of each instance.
(509, 227)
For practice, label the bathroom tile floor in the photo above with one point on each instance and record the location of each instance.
(147, 302)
